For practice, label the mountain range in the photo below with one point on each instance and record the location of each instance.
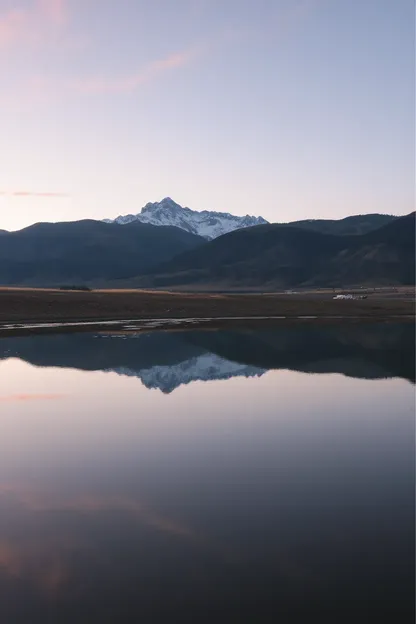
(356, 224)
(276, 256)
(167, 360)
(207, 224)
(369, 249)
(87, 251)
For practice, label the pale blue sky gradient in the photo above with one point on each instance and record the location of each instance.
(285, 108)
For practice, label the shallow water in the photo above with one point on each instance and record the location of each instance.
(256, 476)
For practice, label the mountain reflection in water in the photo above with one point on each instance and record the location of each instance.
(282, 490)
(166, 360)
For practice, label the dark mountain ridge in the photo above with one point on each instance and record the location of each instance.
(355, 224)
(280, 256)
(264, 257)
(87, 251)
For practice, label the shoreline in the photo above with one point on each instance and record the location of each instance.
(41, 310)
(132, 326)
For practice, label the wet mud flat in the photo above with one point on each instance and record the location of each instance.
(36, 310)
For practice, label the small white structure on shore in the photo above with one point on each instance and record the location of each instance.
(349, 296)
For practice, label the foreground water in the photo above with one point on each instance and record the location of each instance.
(208, 476)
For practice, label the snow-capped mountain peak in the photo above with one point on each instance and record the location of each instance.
(205, 367)
(205, 223)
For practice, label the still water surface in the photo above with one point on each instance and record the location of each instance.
(208, 476)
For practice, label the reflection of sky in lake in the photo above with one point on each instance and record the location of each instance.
(271, 490)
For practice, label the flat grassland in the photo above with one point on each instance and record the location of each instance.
(29, 305)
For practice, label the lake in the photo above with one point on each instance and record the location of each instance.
(218, 476)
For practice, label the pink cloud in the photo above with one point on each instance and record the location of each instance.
(30, 24)
(39, 562)
(12, 398)
(40, 90)
(34, 500)
(13, 25)
(54, 10)
(132, 81)
(33, 194)
(45, 563)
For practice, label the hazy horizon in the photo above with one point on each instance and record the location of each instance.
(288, 109)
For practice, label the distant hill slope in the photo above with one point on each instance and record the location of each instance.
(277, 256)
(87, 251)
(356, 224)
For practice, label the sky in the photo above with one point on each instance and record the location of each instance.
(289, 109)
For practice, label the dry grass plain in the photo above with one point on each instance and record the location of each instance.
(28, 305)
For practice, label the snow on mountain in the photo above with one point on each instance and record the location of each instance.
(205, 367)
(206, 223)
